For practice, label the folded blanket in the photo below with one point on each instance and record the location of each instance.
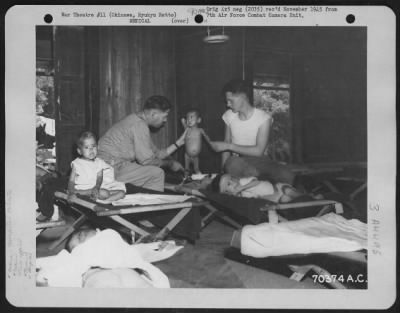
(328, 233)
(147, 199)
(105, 250)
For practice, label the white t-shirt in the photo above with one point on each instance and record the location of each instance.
(86, 174)
(244, 133)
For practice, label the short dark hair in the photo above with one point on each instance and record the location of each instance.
(157, 103)
(76, 235)
(239, 86)
(85, 135)
(194, 110)
(215, 183)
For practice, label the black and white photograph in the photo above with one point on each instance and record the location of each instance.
(215, 154)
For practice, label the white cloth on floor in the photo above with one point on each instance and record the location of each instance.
(148, 199)
(106, 249)
(157, 251)
(328, 233)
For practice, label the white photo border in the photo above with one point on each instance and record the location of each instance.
(20, 27)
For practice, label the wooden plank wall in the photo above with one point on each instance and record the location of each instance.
(328, 89)
(327, 70)
(328, 85)
(69, 82)
(136, 63)
(203, 69)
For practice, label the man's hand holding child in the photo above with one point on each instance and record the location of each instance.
(181, 140)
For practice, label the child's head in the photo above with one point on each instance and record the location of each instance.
(87, 145)
(80, 237)
(225, 183)
(193, 118)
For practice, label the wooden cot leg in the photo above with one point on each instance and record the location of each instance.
(129, 225)
(229, 221)
(299, 271)
(213, 211)
(339, 208)
(330, 185)
(324, 210)
(357, 191)
(163, 233)
(68, 232)
(273, 217)
(208, 218)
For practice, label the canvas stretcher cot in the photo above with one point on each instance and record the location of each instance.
(334, 270)
(330, 175)
(88, 210)
(41, 226)
(54, 221)
(330, 248)
(248, 210)
(296, 267)
(212, 212)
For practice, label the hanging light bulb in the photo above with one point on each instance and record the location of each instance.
(215, 38)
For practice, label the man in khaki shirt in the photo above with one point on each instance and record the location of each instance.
(128, 146)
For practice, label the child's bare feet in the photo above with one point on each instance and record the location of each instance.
(289, 194)
(318, 196)
(285, 199)
(103, 194)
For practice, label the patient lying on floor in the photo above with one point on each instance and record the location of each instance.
(100, 259)
(98, 277)
(251, 187)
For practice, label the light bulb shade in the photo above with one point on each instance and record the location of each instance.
(216, 38)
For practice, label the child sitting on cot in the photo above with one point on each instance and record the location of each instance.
(193, 139)
(91, 175)
(251, 187)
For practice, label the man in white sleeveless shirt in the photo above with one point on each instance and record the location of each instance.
(246, 137)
